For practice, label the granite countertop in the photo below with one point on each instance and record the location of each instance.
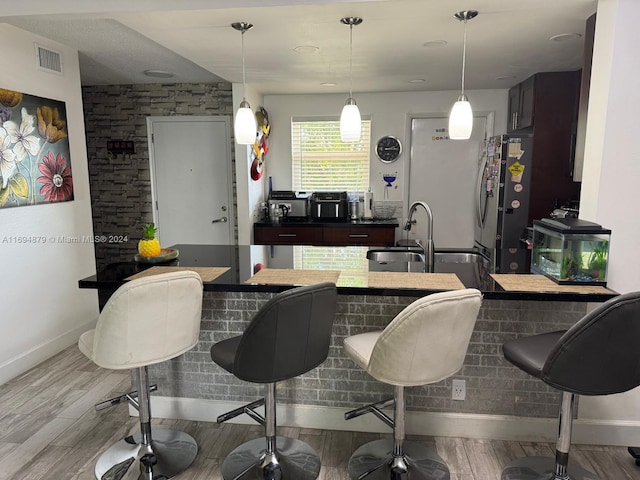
(240, 271)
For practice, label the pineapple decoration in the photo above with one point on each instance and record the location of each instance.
(149, 246)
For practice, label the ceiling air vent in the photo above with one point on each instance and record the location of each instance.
(48, 60)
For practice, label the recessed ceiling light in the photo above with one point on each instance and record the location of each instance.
(328, 84)
(306, 49)
(565, 37)
(158, 74)
(505, 77)
(417, 80)
(434, 44)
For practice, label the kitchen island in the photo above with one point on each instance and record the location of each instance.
(501, 401)
(241, 270)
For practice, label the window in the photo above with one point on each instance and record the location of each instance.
(322, 162)
(351, 261)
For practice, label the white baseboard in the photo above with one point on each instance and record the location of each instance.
(39, 353)
(499, 427)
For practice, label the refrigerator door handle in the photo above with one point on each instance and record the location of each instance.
(479, 192)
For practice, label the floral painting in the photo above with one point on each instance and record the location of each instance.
(35, 166)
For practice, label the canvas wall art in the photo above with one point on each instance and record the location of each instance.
(35, 166)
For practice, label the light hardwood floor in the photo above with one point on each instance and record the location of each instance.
(50, 430)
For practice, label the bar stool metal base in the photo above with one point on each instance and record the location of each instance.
(374, 461)
(174, 451)
(294, 459)
(542, 468)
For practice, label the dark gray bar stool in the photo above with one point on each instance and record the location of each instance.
(425, 343)
(146, 321)
(596, 356)
(289, 336)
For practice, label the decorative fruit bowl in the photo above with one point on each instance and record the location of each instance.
(166, 255)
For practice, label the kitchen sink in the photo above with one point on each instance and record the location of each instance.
(393, 255)
(469, 265)
(396, 259)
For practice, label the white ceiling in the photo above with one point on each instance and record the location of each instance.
(117, 40)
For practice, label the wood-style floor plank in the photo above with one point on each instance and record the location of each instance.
(49, 429)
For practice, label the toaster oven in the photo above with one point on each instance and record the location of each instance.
(293, 206)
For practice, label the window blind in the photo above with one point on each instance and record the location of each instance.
(322, 162)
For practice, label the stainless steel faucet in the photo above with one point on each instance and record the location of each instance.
(427, 244)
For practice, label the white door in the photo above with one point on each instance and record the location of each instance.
(443, 173)
(191, 179)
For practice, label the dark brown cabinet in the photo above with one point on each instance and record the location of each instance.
(548, 109)
(581, 135)
(521, 105)
(323, 234)
(375, 237)
(283, 235)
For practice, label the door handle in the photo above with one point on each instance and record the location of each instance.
(218, 220)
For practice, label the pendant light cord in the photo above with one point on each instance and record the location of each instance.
(244, 82)
(464, 50)
(350, 60)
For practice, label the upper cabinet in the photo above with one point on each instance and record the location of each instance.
(589, 35)
(548, 97)
(521, 103)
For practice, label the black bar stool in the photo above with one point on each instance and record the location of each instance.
(425, 343)
(596, 356)
(146, 321)
(289, 336)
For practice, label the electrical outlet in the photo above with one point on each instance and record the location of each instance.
(458, 390)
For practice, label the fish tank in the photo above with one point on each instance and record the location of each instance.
(570, 251)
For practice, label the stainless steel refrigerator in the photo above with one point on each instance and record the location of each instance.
(503, 193)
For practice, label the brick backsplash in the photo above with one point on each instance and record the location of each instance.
(120, 184)
(493, 385)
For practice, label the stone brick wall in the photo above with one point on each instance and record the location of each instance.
(120, 184)
(493, 385)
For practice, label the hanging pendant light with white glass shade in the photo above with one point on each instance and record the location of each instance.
(461, 117)
(350, 120)
(245, 126)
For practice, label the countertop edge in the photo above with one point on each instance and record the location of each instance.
(92, 283)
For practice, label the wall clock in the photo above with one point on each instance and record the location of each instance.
(388, 149)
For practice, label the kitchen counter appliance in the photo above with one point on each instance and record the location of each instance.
(292, 205)
(330, 206)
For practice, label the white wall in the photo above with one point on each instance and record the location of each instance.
(610, 193)
(42, 310)
(249, 193)
(390, 114)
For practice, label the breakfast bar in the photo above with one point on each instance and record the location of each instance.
(500, 400)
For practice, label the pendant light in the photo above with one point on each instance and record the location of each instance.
(350, 120)
(461, 117)
(245, 126)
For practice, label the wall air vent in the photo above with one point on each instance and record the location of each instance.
(48, 60)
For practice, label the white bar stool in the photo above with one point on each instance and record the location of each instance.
(425, 343)
(146, 321)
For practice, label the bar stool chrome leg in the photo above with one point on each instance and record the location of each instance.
(395, 459)
(270, 457)
(160, 456)
(545, 468)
